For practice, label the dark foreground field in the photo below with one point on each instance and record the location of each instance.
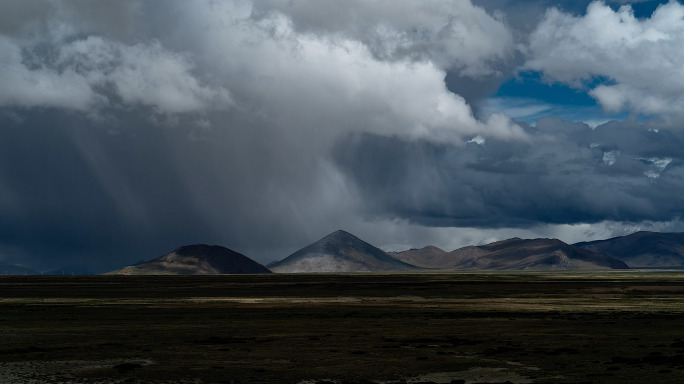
(429, 328)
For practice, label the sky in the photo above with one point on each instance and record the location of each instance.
(130, 128)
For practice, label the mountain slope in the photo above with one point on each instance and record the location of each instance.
(197, 259)
(538, 254)
(513, 254)
(642, 249)
(339, 252)
(426, 257)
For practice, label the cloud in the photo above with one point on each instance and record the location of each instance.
(144, 74)
(263, 126)
(214, 121)
(40, 87)
(92, 73)
(19, 16)
(568, 174)
(610, 157)
(122, 20)
(386, 68)
(658, 165)
(265, 57)
(520, 109)
(453, 35)
(640, 58)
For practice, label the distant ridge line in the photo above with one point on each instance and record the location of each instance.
(341, 251)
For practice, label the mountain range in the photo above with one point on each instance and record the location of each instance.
(642, 249)
(341, 251)
(511, 254)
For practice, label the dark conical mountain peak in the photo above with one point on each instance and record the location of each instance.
(197, 259)
(195, 248)
(339, 251)
(340, 240)
(341, 237)
(206, 252)
(341, 234)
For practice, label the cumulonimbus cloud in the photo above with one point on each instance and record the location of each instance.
(336, 79)
(262, 165)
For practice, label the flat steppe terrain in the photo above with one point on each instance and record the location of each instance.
(610, 327)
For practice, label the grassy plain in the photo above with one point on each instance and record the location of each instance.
(608, 327)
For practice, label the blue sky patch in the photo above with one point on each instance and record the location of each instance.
(528, 97)
(645, 8)
(530, 85)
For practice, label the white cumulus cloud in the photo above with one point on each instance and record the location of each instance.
(453, 34)
(85, 74)
(640, 58)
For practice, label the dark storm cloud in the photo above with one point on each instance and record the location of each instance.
(75, 193)
(112, 192)
(569, 174)
(128, 130)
